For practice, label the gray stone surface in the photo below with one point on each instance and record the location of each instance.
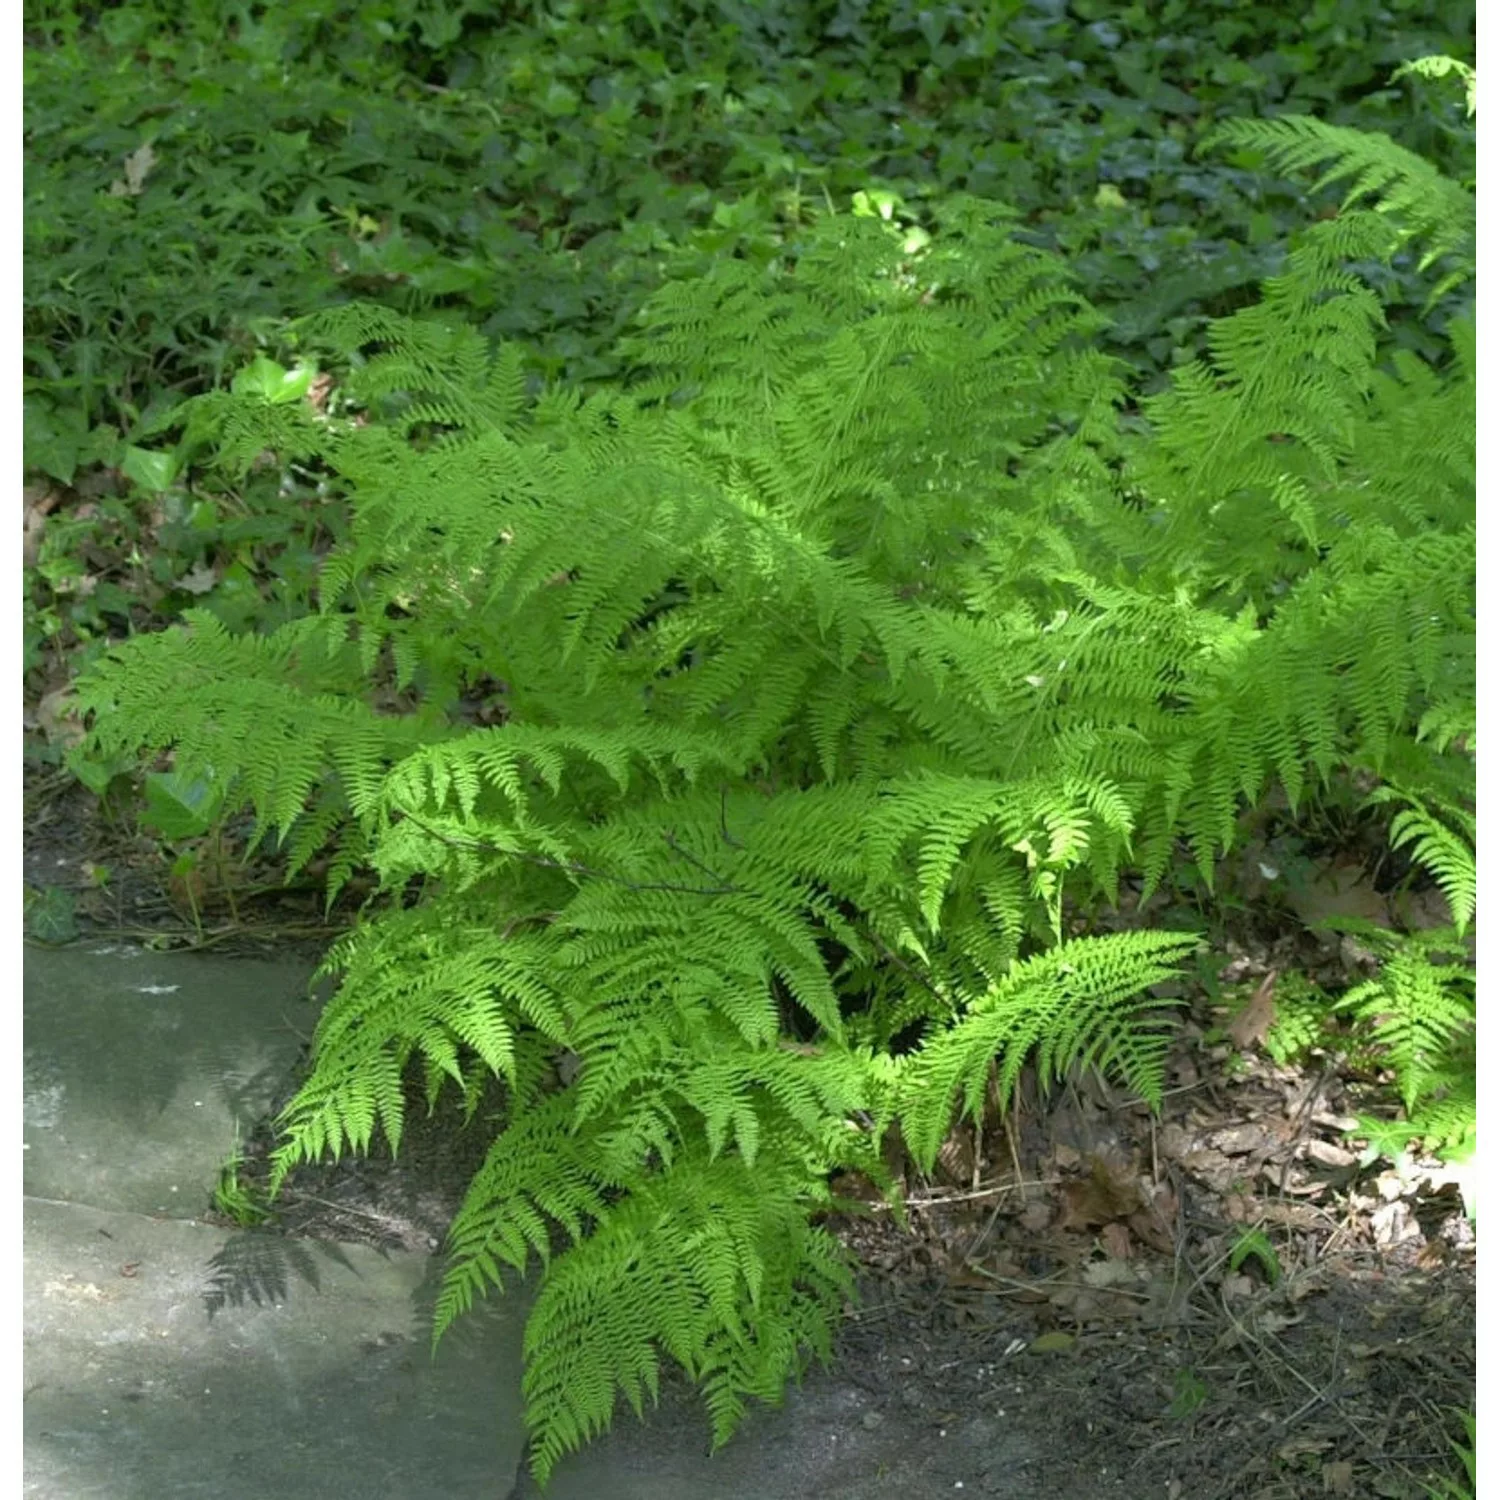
(149, 1375)
(140, 1067)
(166, 1358)
(827, 1442)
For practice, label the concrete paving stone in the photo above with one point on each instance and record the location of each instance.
(141, 1067)
(166, 1358)
(144, 1382)
(827, 1441)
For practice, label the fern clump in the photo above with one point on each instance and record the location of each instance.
(836, 652)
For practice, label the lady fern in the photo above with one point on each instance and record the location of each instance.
(839, 650)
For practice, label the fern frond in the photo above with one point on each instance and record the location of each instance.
(1419, 201)
(1080, 1003)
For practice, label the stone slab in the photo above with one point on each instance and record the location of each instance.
(166, 1360)
(141, 1067)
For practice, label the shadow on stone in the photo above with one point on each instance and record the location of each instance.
(257, 1267)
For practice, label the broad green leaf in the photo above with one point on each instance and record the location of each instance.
(97, 774)
(265, 378)
(178, 808)
(1253, 1242)
(150, 470)
(50, 915)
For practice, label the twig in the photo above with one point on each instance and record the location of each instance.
(990, 1192)
(1079, 1286)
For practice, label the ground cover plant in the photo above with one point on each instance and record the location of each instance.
(751, 749)
(198, 172)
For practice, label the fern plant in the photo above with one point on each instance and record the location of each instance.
(1418, 1013)
(841, 654)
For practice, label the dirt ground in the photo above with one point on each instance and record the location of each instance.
(1221, 1301)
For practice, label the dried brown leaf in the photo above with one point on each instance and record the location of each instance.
(1249, 1028)
(1106, 1195)
(1338, 1478)
(138, 166)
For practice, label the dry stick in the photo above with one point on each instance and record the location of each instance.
(216, 934)
(1301, 1125)
(1012, 1130)
(373, 1215)
(989, 1192)
(1078, 1286)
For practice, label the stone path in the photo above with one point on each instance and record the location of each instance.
(165, 1358)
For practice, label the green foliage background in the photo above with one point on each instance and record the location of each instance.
(536, 170)
(539, 166)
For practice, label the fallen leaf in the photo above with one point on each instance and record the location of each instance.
(1103, 1274)
(955, 1159)
(1271, 1322)
(1249, 1028)
(1115, 1238)
(1035, 1217)
(38, 502)
(137, 167)
(1056, 1342)
(1392, 1224)
(80, 585)
(1340, 889)
(57, 720)
(1104, 1197)
(198, 580)
(1330, 1155)
(1416, 910)
(1338, 1478)
(319, 391)
(1239, 1140)
(1155, 1223)
(1294, 1448)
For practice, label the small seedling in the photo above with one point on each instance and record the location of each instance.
(1254, 1243)
(234, 1199)
(1188, 1394)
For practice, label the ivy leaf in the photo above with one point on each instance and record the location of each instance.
(179, 808)
(560, 100)
(50, 914)
(151, 471)
(271, 382)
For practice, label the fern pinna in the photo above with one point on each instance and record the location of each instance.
(837, 652)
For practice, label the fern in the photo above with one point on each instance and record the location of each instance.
(846, 649)
(1446, 854)
(1414, 202)
(1078, 1003)
(1419, 1014)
